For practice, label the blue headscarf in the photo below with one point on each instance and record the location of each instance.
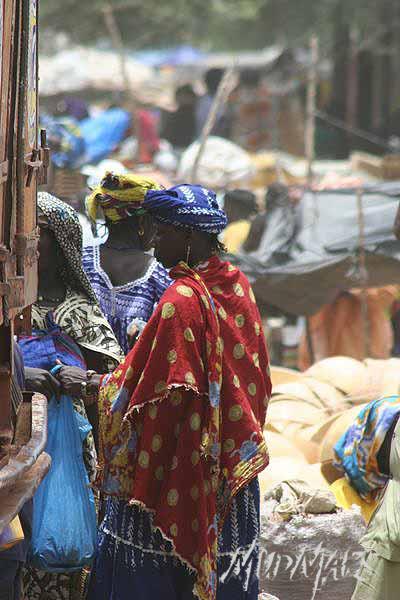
(188, 207)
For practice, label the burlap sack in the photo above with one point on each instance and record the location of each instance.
(311, 557)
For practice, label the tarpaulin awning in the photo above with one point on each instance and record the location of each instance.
(309, 253)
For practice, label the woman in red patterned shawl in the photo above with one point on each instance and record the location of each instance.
(182, 425)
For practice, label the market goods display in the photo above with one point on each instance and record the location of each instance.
(315, 554)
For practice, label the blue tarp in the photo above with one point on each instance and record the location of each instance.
(179, 56)
(103, 133)
(65, 139)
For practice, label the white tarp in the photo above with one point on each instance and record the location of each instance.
(77, 68)
(223, 164)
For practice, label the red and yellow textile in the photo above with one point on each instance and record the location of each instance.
(172, 440)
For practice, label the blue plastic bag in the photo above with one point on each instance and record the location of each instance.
(64, 514)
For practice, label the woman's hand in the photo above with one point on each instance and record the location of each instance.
(42, 381)
(133, 334)
(71, 380)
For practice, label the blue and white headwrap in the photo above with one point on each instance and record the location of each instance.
(357, 450)
(186, 206)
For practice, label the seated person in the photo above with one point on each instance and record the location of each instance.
(240, 208)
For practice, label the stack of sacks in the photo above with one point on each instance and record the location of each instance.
(312, 410)
(301, 539)
(308, 549)
(287, 462)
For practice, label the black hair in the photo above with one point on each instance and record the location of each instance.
(245, 199)
(250, 78)
(212, 79)
(216, 245)
(185, 89)
(277, 195)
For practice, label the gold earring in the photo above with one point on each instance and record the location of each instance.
(141, 231)
(188, 251)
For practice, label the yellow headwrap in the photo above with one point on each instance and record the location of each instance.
(117, 195)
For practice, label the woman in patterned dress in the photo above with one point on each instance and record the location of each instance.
(69, 328)
(181, 423)
(126, 278)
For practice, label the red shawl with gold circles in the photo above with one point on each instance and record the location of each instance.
(182, 417)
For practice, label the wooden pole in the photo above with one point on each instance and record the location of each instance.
(309, 141)
(363, 273)
(352, 82)
(309, 144)
(224, 89)
(117, 42)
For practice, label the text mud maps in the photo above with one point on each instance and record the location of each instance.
(318, 568)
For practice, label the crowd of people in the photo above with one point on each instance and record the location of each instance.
(164, 355)
(177, 422)
(80, 135)
(244, 118)
(156, 340)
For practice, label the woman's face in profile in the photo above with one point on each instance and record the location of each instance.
(47, 245)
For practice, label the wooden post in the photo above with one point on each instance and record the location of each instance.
(117, 41)
(224, 89)
(352, 83)
(309, 144)
(386, 62)
(309, 141)
(396, 49)
(363, 274)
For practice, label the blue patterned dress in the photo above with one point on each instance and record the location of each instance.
(124, 303)
(135, 561)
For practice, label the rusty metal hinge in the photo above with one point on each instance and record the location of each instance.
(32, 163)
(44, 155)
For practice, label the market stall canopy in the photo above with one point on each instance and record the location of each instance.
(78, 68)
(179, 56)
(309, 253)
(294, 61)
(262, 58)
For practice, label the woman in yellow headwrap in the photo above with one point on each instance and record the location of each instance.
(126, 278)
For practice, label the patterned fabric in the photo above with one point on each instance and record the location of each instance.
(187, 206)
(123, 304)
(357, 450)
(43, 349)
(59, 334)
(40, 585)
(134, 560)
(48, 344)
(85, 323)
(64, 223)
(166, 396)
(118, 196)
